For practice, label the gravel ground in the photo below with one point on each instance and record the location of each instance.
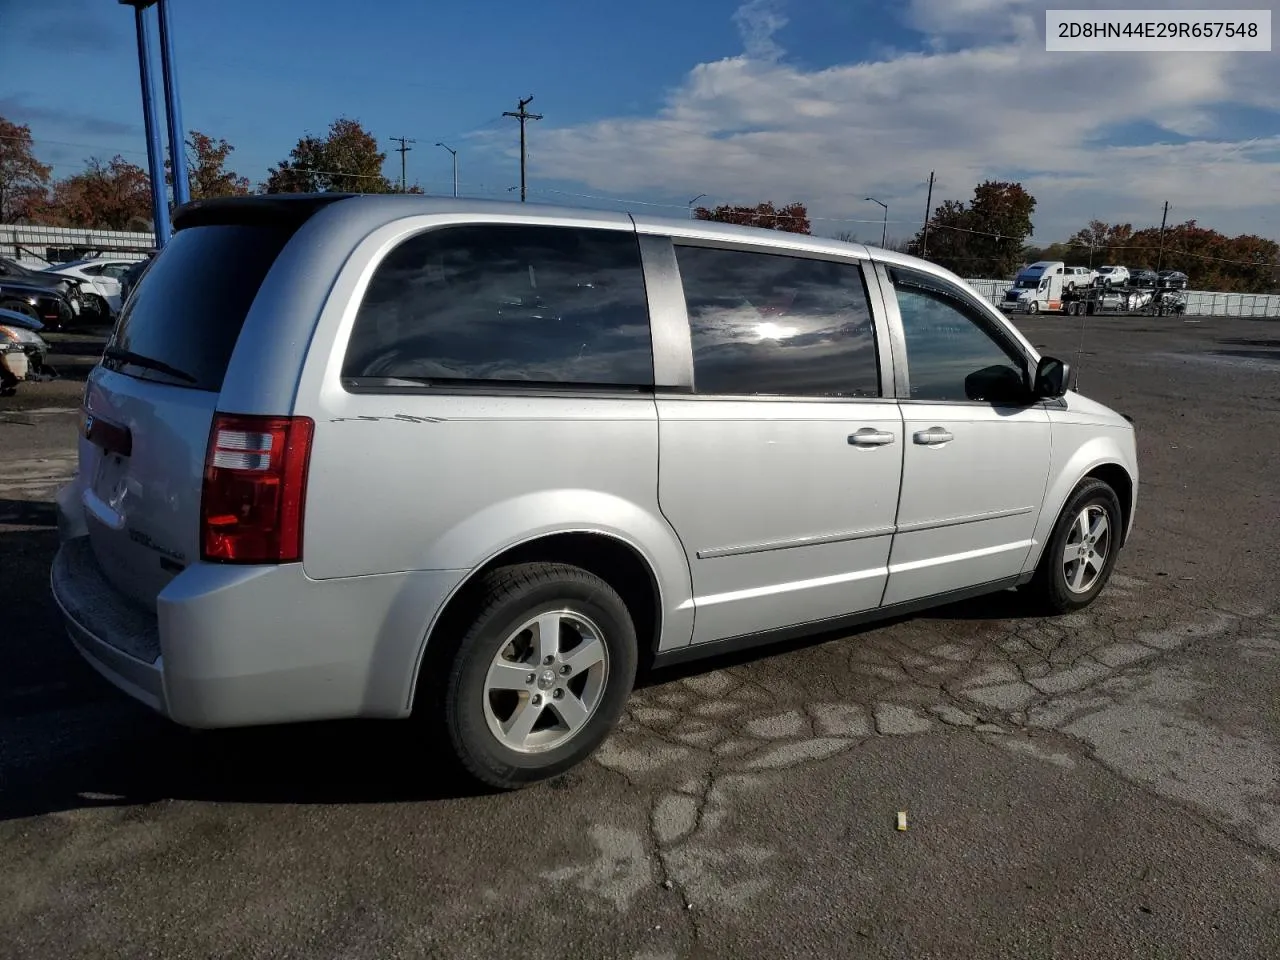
(1103, 785)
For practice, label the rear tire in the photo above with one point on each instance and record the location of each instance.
(539, 677)
(1090, 529)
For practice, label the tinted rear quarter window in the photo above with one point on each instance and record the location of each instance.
(493, 303)
(189, 308)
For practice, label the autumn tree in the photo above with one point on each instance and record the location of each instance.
(207, 171)
(1097, 244)
(1211, 260)
(115, 195)
(793, 218)
(346, 160)
(949, 239)
(985, 237)
(24, 180)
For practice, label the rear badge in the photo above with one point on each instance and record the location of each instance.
(137, 536)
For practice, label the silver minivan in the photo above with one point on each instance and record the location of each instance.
(477, 463)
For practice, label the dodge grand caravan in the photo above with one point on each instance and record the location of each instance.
(357, 456)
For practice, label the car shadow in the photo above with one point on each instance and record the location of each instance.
(1273, 355)
(1002, 606)
(1270, 342)
(69, 740)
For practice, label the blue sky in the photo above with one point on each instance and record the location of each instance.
(821, 101)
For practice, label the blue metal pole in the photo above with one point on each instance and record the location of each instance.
(173, 110)
(155, 149)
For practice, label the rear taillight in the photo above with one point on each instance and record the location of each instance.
(255, 486)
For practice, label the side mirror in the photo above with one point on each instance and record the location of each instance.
(1000, 384)
(1052, 378)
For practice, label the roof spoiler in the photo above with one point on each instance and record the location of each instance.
(274, 210)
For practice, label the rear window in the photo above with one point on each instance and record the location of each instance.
(187, 311)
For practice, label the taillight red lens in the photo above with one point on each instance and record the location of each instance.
(255, 487)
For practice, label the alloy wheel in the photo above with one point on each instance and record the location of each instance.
(1088, 545)
(546, 681)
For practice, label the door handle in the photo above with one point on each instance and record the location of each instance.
(933, 436)
(870, 437)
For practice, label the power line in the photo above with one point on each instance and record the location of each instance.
(524, 117)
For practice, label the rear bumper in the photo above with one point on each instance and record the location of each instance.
(232, 646)
(119, 641)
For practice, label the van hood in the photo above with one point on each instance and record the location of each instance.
(1083, 410)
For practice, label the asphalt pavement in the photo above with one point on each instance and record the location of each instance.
(1105, 784)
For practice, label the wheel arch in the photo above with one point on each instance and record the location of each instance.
(1117, 478)
(616, 560)
(1101, 459)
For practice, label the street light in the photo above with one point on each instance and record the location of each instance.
(455, 167)
(884, 233)
(692, 202)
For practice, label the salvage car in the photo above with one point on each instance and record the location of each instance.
(13, 273)
(22, 348)
(39, 302)
(99, 282)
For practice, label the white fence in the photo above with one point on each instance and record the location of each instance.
(1200, 303)
(40, 246)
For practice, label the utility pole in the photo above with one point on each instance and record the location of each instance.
(455, 167)
(523, 116)
(884, 233)
(1163, 221)
(928, 213)
(402, 150)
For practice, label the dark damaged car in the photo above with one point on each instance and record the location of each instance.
(45, 303)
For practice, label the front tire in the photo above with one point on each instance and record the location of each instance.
(1081, 552)
(541, 675)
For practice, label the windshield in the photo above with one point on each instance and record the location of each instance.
(1027, 283)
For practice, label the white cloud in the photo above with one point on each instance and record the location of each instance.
(988, 19)
(757, 22)
(756, 127)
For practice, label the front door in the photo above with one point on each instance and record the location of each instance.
(780, 473)
(974, 472)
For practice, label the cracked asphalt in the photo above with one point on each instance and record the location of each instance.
(1105, 784)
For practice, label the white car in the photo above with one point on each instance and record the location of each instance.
(99, 279)
(1078, 278)
(1111, 276)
